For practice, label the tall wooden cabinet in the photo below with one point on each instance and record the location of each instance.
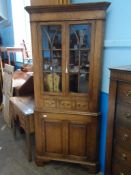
(118, 152)
(67, 43)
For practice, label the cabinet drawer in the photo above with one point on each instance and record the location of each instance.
(122, 155)
(50, 103)
(82, 105)
(123, 116)
(123, 138)
(124, 93)
(119, 169)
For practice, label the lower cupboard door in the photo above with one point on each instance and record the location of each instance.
(77, 139)
(52, 136)
(82, 139)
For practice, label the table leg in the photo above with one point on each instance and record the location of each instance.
(28, 141)
(14, 127)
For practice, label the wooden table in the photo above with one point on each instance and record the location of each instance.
(22, 109)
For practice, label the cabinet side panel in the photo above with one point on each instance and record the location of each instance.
(110, 126)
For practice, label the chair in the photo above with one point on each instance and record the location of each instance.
(14, 50)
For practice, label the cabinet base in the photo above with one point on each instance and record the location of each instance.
(91, 167)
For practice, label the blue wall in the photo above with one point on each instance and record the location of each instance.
(117, 52)
(6, 28)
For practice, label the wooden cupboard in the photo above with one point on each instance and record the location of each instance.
(118, 153)
(67, 46)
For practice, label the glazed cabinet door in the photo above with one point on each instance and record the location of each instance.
(79, 66)
(51, 47)
(82, 139)
(66, 52)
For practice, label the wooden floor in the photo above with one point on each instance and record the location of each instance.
(13, 159)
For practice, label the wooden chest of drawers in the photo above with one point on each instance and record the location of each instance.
(118, 154)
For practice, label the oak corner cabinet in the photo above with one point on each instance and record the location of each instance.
(67, 43)
(118, 147)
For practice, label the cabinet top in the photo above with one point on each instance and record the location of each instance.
(68, 8)
(122, 68)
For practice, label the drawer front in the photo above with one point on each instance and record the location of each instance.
(66, 104)
(122, 155)
(123, 138)
(123, 116)
(124, 93)
(48, 103)
(82, 105)
(119, 169)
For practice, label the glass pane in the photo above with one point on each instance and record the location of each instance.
(52, 82)
(57, 61)
(83, 83)
(79, 57)
(52, 57)
(80, 36)
(74, 61)
(47, 60)
(51, 37)
(73, 82)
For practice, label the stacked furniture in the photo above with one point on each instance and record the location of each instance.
(118, 154)
(67, 44)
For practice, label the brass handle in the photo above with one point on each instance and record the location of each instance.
(122, 173)
(129, 102)
(124, 157)
(128, 93)
(44, 116)
(66, 71)
(125, 137)
(128, 115)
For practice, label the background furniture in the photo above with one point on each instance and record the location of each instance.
(1, 81)
(22, 110)
(7, 91)
(67, 46)
(23, 83)
(14, 50)
(118, 153)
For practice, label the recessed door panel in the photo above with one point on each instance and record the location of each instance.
(53, 136)
(77, 139)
